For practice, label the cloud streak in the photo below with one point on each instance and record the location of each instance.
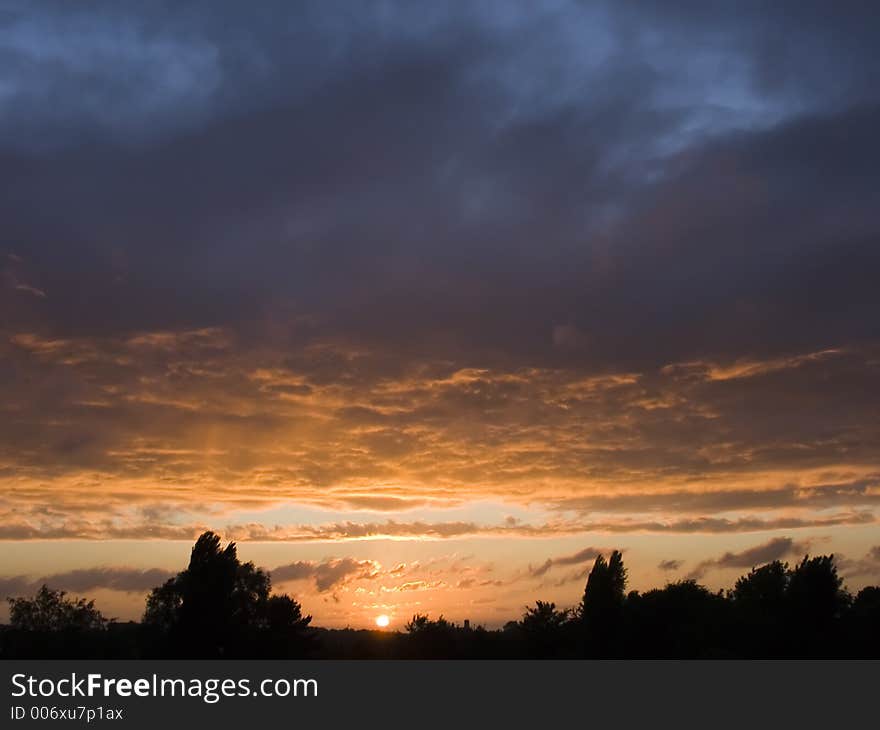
(391, 529)
(327, 574)
(581, 556)
(775, 549)
(83, 580)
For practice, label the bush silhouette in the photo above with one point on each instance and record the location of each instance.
(52, 611)
(51, 625)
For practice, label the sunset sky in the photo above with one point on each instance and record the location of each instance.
(425, 304)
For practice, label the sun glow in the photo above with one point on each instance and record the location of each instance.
(382, 621)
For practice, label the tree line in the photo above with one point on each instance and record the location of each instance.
(220, 607)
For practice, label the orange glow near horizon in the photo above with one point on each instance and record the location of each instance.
(434, 489)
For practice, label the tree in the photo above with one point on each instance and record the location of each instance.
(219, 605)
(764, 589)
(420, 623)
(602, 604)
(430, 639)
(816, 600)
(605, 589)
(864, 623)
(543, 630)
(543, 617)
(815, 589)
(52, 611)
(285, 615)
(759, 602)
(682, 620)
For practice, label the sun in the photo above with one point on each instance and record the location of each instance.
(382, 621)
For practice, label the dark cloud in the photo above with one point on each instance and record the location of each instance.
(671, 564)
(327, 574)
(775, 549)
(618, 257)
(82, 580)
(421, 162)
(866, 566)
(581, 556)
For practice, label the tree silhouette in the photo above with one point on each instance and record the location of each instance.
(683, 620)
(421, 623)
(763, 589)
(431, 638)
(816, 599)
(760, 602)
(814, 589)
(52, 611)
(542, 629)
(602, 605)
(543, 617)
(605, 589)
(221, 606)
(863, 630)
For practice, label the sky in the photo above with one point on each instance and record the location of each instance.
(427, 304)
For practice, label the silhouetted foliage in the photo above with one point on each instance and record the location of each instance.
(605, 589)
(763, 590)
(543, 630)
(543, 618)
(421, 624)
(602, 606)
(816, 602)
(430, 639)
(220, 606)
(49, 624)
(863, 625)
(815, 591)
(760, 602)
(683, 620)
(52, 611)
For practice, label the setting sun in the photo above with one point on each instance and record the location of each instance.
(382, 621)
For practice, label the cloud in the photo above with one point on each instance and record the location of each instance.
(670, 564)
(20, 286)
(442, 530)
(382, 504)
(414, 585)
(17, 585)
(83, 580)
(866, 566)
(327, 574)
(864, 492)
(581, 556)
(774, 549)
(140, 412)
(747, 368)
(12, 278)
(378, 261)
(60, 529)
